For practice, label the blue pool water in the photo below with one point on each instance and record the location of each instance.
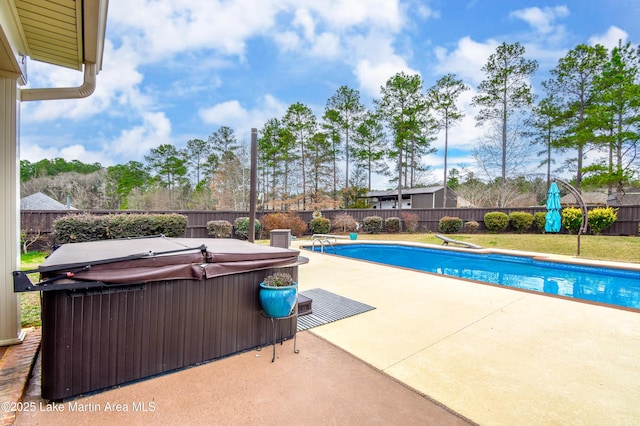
(620, 287)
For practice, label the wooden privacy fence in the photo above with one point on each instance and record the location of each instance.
(42, 221)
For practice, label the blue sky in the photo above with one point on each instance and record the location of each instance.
(178, 70)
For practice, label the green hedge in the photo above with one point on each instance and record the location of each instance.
(241, 226)
(521, 221)
(320, 225)
(539, 221)
(496, 221)
(88, 227)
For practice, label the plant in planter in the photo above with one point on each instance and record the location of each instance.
(278, 294)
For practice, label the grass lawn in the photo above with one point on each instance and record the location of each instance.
(30, 300)
(620, 249)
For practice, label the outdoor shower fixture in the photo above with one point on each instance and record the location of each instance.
(583, 207)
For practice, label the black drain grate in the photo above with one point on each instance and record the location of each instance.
(329, 307)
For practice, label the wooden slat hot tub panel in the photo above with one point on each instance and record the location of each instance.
(95, 340)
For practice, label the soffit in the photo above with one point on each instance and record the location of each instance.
(52, 30)
(67, 33)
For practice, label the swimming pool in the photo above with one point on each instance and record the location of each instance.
(619, 287)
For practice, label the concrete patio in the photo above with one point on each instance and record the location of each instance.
(493, 355)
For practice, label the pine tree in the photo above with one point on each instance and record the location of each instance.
(404, 109)
(442, 100)
(573, 81)
(502, 96)
(614, 118)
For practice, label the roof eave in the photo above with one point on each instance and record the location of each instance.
(95, 27)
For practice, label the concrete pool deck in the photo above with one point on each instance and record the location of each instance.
(494, 355)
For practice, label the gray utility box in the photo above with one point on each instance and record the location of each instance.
(280, 238)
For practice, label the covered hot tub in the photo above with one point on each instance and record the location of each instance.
(120, 310)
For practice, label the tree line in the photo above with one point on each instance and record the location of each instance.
(588, 112)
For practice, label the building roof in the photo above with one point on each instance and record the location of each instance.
(405, 191)
(39, 201)
(628, 199)
(590, 198)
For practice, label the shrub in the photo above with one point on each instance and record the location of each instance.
(219, 228)
(320, 225)
(128, 225)
(521, 221)
(539, 221)
(87, 227)
(496, 221)
(572, 219)
(372, 224)
(289, 220)
(411, 221)
(139, 225)
(600, 218)
(449, 224)
(241, 225)
(170, 225)
(392, 224)
(80, 228)
(344, 223)
(471, 226)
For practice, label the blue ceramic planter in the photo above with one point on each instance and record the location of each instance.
(278, 302)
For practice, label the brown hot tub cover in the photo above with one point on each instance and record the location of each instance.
(129, 261)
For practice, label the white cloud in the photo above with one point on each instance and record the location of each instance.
(175, 27)
(80, 153)
(327, 45)
(466, 60)
(233, 114)
(325, 30)
(226, 26)
(425, 12)
(287, 41)
(347, 14)
(134, 142)
(130, 144)
(464, 134)
(610, 38)
(225, 112)
(375, 61)
(372, 76)
(304, 20)
(541, 19)
(33, 151)
(118, 83)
